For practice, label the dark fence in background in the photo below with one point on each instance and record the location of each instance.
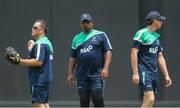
(120, 19)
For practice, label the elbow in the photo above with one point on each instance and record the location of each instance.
(39, 63)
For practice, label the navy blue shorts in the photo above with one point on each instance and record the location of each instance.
(39, 94)
(148, 82)
(92, 84)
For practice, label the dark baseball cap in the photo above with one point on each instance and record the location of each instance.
(86, 16)
(155, 15)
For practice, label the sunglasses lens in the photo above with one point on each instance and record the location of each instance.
(35, 27)
(85, 22)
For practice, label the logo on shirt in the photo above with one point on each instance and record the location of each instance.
(157, 42)
(85, 50)
(153, 50)
(149, 86)
(51, 57)
(94, 39)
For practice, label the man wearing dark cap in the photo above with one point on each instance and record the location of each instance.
(91, 54)
(146, 54)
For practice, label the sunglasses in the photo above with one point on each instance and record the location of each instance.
(35, 27)
(85, 22)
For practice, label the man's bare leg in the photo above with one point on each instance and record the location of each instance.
(148, 99)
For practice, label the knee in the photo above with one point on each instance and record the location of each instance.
(46, 105)
(38, 105)
(84, 99)
(98, 99)
(84, 96)
(97, 96)
(151, 99)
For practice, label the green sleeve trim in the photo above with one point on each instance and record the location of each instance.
(45, 40)
(82, 38)
(146, 37)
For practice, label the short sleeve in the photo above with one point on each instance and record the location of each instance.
(73, 53)
(160, 48)
(106, 43)
(136, 44)
(39, 52)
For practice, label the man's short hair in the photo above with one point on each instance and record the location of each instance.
(43, 25)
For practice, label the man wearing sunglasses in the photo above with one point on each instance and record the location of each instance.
(39, 65)
(146, 53)
(91, 54)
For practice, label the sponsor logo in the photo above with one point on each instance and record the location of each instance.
(149, 86)
(94, 39)
(153, 50)
(88, 49)
(51, 57)
(157, 42)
